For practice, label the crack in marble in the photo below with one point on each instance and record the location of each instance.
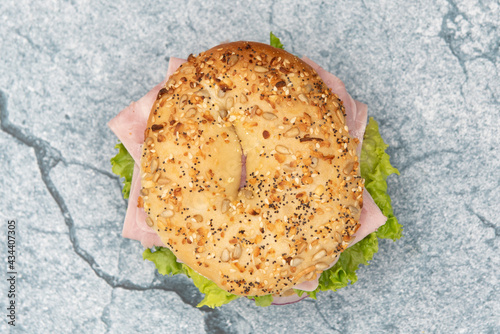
(114, 177)
(316, 306)
(95, 169)
(494, 99)
(38, 47)
(271, 14)
(28, 40)
(190, 25)
(424, 157)
(447, 37)
(455, 42)
(105, 312)
(483, 220)
(47, 158)
(215, 321)
(289, 40)
(447, 34)
(36, 229)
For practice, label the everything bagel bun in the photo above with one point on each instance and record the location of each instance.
(282, 217)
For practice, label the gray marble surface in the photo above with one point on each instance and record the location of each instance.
(428, 70)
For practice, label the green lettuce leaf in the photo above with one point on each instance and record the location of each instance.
(344, 271)
(275, 41)
(166, 264)
(123, 166)
(214, 296)
(375, 168)
(263, 300)
(164, 260)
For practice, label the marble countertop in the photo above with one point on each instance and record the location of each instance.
(429, 72)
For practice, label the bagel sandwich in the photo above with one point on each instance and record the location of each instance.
(246, 173)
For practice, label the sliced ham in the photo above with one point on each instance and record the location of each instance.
(371, 218)
(312, 284)
(288, 299)
(358, 130)
(130, 123)
(337, 87)
(356, 112)
(135, 226)
(129, 126)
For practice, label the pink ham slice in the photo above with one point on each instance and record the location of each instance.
(130, 123)
(358, 130)
(289, 299)
(371, 218)
(129, 126)
(135, 226)
(356, 112)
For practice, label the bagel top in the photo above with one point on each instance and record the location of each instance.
(302, 195)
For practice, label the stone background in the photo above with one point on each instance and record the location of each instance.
(428, 70)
